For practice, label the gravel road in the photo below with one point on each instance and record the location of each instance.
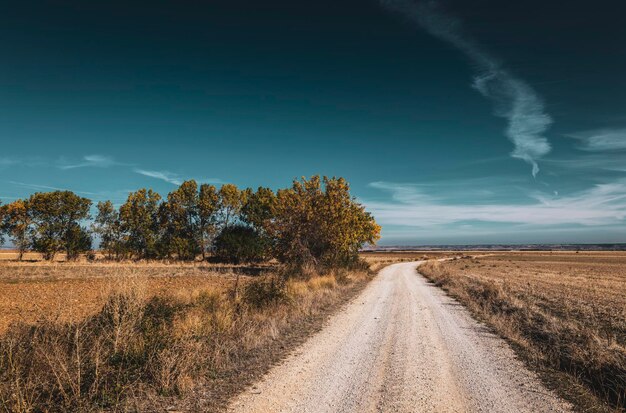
(401, 346)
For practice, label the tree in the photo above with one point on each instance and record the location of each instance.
(318, 223)
(108, 226)
(181, 217)
(16, 224)
(2, 214)
(295, 229)
(208, 207)
(240, 243)
(258, 210)
(231, 200)
(77, 241)
(55, 217)
(139, 219)
(345, 224)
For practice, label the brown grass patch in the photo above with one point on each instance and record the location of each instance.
(125, 337)
(70, 292)
(564, 312)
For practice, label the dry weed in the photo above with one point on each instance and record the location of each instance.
(564, 312)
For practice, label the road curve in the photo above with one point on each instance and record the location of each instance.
(401, 346)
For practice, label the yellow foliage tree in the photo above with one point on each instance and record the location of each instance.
(318, 223)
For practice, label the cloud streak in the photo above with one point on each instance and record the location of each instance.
(601, 140)
(38, 187)
(513, 98)
(6, 162)
(173, 178)
(90, 161)
(162, 175)
(602, 204)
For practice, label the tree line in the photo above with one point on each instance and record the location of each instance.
(315, 222)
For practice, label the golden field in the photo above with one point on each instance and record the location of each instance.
(126, 336)
(70, 292)
(565, 312)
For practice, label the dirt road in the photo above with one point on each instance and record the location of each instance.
(401, 346)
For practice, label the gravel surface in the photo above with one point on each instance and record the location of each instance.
(401, 346)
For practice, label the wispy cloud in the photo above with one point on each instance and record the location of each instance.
(113, 195)
(162, 175)
(602, 204)
(590, 164)
(6, 162)
(89, 161)
(38, 187)
(13, 161)
(601, 140)
(513, 98)
(173, 178)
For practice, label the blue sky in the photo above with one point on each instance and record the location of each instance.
(454, 123)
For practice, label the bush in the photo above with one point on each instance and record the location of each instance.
(265, 292)
(240, 244)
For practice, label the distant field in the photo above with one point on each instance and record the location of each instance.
(377, 259)
(69, 292)
(7, 254)
(564, 310)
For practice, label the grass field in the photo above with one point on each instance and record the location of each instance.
(129, 336)
(564, 311)
(378, 260)
(70, 292)
(94, 336)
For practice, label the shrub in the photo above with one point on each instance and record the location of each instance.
(240, 244)
(265, 292)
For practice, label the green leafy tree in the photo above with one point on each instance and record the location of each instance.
(56, 220)
(181, 217)
(208, 207)
(77, 241)
(16, 224)
(139, 219)
(240, 243)
(109, 228)
(258, 209)
(258, 212)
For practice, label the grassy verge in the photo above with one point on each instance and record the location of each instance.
(142, 353)
(561, 331)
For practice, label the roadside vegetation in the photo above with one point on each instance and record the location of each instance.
(144, 351)
(564, 313)
(141, 353)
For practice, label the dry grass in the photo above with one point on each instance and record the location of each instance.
(564, 312)
(141, 337)
(71, 291)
